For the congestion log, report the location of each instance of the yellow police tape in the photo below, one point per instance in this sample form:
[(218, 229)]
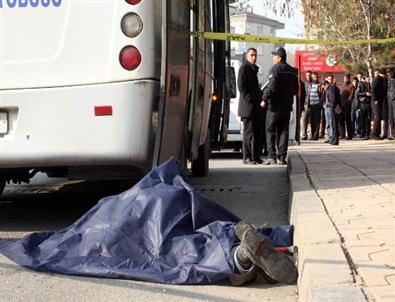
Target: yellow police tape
[(275, 40)]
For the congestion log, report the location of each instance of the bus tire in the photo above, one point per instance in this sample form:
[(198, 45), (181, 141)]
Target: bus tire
[(2, 185), (200, 166)]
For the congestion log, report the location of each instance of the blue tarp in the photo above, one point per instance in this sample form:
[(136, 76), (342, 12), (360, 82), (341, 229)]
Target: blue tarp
[(161, 230)]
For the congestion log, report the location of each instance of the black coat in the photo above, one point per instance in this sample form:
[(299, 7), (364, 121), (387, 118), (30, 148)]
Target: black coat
[(379, 91), (282, 87), (250, 93)]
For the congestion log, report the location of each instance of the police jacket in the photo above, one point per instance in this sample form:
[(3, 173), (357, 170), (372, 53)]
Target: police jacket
[(250, 93), (282, 86)]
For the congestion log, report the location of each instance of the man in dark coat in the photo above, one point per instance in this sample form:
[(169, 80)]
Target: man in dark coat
[(347, 94), (278, 97), (378, 94), (364, 98), (250, 97), (391, 101), (332, 110)]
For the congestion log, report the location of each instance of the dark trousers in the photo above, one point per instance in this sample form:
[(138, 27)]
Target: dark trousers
[(262, 124), (365, 119), (345, 123), (391, 115), (336, 128), (323, 123), (315, 118), (277, 133), (251, 138), (377, 120), (305, 121)]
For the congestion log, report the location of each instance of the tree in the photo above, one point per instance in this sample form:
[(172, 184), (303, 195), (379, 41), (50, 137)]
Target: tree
[(336, 20), (352, 19)]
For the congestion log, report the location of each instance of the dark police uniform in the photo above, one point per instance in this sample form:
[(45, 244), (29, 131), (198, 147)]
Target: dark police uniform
[(279, 93)]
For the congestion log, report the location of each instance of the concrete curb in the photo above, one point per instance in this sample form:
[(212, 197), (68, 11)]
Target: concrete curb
[(324, 273)]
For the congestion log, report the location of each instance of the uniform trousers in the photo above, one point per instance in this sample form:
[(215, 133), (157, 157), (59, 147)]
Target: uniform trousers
[(277, 133)]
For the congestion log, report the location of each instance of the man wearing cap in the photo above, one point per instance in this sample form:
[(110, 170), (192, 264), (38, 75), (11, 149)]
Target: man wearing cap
[(278, 97), (378, 94)]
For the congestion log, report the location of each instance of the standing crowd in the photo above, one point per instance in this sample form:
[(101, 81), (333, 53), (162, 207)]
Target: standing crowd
[(359, 108)]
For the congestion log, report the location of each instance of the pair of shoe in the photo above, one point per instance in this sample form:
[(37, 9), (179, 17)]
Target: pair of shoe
[(258, 160), (274, 266), (270, 161), (249, 161), (282, 162)]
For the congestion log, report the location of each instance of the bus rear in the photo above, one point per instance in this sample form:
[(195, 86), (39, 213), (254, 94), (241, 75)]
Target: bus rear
[(78, 84)]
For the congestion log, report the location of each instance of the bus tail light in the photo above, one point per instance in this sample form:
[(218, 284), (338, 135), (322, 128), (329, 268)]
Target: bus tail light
[(132, 25), (133, 2), (130, 57)]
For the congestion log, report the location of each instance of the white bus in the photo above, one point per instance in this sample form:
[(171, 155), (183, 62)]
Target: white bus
[(104, 89)]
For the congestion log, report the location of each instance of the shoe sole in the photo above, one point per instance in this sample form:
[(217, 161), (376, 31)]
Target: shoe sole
[(277, 266)]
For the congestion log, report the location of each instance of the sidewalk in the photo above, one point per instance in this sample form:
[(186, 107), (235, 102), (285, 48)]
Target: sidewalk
[(343, 207)]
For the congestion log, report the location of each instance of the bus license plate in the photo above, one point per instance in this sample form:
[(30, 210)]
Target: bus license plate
[(3, 122)]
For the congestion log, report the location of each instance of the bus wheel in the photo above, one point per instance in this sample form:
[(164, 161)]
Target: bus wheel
[(2, 185), (200, 165)]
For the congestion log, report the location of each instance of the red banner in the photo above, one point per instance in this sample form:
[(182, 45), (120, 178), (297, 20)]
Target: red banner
[(306, 60)]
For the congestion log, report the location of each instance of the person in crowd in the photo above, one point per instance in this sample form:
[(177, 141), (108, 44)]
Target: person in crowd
[(327, 111), (355, 109), (391, 101), (384, 109), (378, 94), (313, 97), (305, 107), (346, 93), (364, 98), (278, 97), (323, 119), (332, 110), (250, 97)]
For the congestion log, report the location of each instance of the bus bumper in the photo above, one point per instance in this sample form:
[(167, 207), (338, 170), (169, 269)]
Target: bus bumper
[(72, 126)]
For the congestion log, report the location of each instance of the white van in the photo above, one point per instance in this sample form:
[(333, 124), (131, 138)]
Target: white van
[(235, 130)]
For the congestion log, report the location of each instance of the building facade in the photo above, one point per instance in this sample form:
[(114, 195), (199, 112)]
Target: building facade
[(244, 21)]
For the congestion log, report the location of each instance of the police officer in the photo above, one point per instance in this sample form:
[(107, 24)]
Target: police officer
[(278, 97)]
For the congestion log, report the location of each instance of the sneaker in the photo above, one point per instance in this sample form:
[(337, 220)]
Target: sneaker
[(277, 266), (270, 161)]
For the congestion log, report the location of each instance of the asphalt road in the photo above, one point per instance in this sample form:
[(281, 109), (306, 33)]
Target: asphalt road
[(258, 194)]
